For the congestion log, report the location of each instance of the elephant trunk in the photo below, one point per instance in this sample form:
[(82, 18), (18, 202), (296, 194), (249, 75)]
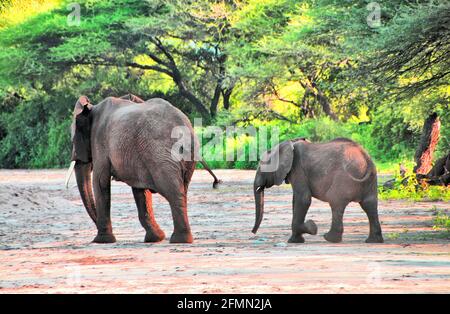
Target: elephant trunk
[(259, 206), (83, 174)]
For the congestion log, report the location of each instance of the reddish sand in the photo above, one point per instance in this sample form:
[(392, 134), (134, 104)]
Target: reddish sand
[(45, 244)]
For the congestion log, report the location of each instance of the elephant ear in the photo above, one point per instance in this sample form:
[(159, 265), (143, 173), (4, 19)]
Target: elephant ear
[(82, 130), (276, 163), (82, 102)]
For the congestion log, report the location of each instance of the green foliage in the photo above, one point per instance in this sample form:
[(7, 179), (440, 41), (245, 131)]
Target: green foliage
[(415, 47), (316, 130), (15, 11), (392, 236), (409, 188), (394, 137), (442, 221), (304, 67), (429, 193), (52, 150)]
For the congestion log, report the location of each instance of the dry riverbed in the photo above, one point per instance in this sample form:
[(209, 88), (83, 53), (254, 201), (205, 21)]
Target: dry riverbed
[(45, 243)]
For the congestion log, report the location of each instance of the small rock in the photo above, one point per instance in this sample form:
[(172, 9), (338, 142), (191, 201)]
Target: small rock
[(260, 240)]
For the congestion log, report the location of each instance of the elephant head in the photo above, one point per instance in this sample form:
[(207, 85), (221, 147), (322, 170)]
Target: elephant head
[(81, 153), (273, 169)]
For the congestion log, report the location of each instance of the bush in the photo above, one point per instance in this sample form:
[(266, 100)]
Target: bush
[(54, 148), (315, 130), (409, 188), (442, 221)]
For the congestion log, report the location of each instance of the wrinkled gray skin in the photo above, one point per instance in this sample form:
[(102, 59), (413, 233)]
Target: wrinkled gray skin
[(130, 140), (337, 172)]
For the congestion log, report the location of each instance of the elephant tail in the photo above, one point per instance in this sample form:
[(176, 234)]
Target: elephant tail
[(363, 179), (370, 170), (205, 165)]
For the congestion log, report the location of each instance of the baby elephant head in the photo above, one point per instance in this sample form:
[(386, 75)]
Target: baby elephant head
[(273, 169)]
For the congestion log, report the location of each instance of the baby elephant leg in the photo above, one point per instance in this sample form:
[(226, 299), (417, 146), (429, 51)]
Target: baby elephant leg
[(301, 203), (337, 226), (370, 206)]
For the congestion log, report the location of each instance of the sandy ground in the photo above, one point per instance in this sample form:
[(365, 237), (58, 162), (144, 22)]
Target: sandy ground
[(45, 244)]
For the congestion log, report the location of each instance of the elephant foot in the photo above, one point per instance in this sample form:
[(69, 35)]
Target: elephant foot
[(297, 238), (104, 238), (333, 237), (378, 238), (177, 237), (152, 236), (310, 227)]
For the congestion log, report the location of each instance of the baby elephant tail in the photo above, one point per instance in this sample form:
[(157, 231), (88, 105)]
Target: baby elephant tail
[(205, 165), (363, 179), (370, 170)]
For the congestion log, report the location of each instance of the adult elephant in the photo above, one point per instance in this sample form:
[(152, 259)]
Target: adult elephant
[(337, 172), (133, 141)]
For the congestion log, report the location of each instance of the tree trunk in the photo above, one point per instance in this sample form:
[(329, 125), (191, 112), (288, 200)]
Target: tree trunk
[(226, 94), (201, 108), (170, 68), (215, 101), (440, 173), (305, 107), (427, 145), (310, 85), (324, 102), (194, 100), (441, 166)]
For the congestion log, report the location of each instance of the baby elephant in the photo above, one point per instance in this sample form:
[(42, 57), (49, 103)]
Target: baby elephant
[(337, 172)]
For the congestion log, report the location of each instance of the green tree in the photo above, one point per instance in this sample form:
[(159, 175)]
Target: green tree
[(313, 68)]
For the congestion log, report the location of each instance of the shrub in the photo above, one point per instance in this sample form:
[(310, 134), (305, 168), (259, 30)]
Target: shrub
[(410, 189), (442, 221)]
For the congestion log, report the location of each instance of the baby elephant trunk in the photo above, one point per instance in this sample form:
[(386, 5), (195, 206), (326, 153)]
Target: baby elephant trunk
[(259, 206)]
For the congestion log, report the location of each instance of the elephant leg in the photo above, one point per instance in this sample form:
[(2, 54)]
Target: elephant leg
[(337, 226), (181, 229), (143, 198), (102, 192), (370, 206), (175, 192), (301, 202)]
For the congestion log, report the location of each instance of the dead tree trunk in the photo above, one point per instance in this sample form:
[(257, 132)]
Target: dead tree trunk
[(425, 172), (427, 145), (440, 173)]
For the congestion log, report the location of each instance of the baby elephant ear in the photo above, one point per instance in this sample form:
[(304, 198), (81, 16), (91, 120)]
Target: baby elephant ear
[(277, 163)]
